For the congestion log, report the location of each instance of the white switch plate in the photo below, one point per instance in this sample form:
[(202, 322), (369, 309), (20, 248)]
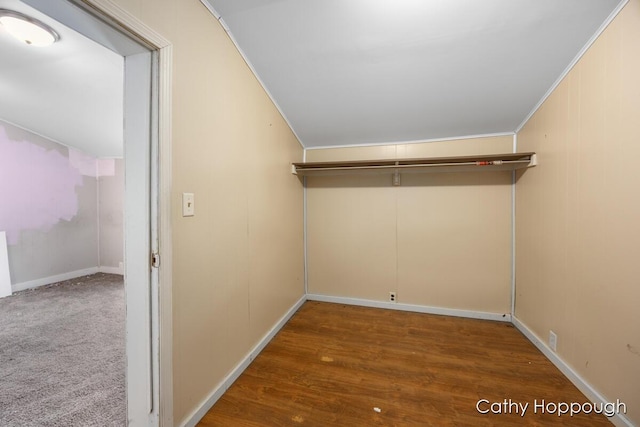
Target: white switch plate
[(188, 204)]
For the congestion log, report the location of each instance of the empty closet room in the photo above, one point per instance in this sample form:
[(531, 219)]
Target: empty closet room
[(356, 189), (540, 245)]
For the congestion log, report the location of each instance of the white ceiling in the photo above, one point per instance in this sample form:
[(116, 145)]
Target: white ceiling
[(70, 92), (347, 72), (342, 72)]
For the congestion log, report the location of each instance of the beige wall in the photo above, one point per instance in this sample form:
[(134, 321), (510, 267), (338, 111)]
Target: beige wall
[(238, 263), (111, 212), (578, 216), (439, 240)]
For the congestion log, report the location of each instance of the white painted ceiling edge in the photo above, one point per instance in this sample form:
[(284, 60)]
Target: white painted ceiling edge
[(70, 92), (371, 72)]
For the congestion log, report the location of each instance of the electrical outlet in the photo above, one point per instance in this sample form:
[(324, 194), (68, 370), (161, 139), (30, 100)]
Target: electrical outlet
[(553, 340), (392, 296)]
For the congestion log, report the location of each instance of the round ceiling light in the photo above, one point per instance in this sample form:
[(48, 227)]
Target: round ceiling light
[(27, 29)]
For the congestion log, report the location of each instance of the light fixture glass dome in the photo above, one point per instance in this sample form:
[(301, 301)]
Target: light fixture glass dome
[(27, 29)]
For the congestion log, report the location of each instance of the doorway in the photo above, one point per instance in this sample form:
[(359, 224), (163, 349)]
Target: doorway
[(146, 217)]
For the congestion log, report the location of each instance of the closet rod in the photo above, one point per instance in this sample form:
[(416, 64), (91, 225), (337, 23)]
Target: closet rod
[(419, 165)]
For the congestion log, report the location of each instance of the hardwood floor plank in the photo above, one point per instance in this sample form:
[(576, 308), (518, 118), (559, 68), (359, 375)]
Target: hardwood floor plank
[(339, 365)]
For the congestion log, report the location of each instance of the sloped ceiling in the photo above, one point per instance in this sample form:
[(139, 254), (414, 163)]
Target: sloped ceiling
[(71, 92), (349, 72)]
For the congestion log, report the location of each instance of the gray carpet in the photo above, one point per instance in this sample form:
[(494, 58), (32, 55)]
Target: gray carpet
[(62, 354)]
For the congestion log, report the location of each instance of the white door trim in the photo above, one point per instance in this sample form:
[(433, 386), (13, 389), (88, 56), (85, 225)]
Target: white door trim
[(140, 283), (131, 25)]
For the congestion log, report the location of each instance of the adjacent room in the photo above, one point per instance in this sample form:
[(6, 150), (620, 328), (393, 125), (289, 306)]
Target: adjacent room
[(62, 341), (386, 212)]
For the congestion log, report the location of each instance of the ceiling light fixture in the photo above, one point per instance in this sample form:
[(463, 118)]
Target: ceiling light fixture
[(27, 29)]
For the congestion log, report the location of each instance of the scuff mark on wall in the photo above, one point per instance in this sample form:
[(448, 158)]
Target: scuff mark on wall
[(37, 187)]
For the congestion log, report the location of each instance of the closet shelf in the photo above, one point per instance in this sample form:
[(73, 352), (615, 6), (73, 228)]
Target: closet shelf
[(490, 162)]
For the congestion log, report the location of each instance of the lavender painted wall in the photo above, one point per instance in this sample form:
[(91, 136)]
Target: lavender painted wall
[(48, 206), (37, 185)]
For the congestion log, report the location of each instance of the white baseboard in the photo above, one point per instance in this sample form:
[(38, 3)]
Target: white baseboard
[(111, 270), (619, 420), (223, 386), (502, 317), (53, 279)]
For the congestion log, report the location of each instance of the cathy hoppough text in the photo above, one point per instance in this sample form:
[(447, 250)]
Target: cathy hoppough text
[(508, 406)]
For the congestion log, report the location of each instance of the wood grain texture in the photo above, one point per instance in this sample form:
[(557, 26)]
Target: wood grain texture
[(332, 364)]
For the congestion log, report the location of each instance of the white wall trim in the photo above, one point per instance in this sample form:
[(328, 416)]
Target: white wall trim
[(420, 141), (211, 9), (582, 385), (572, 64), (513, 231), (502, 317), (193, 419), (165, 236), (304, 225), (127, 23), (304, 235), (30, 284)]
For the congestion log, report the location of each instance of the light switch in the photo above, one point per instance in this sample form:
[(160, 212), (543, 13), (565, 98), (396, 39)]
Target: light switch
[(188, 204)]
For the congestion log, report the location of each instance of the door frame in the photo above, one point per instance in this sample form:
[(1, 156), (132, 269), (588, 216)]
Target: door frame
[(161, 182), (148, 63)]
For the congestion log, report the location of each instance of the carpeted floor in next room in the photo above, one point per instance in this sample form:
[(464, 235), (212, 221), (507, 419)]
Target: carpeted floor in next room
[(62, 354)]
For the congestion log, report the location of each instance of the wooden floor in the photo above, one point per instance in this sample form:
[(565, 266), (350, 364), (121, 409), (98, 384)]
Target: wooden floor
[(338, 365)]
